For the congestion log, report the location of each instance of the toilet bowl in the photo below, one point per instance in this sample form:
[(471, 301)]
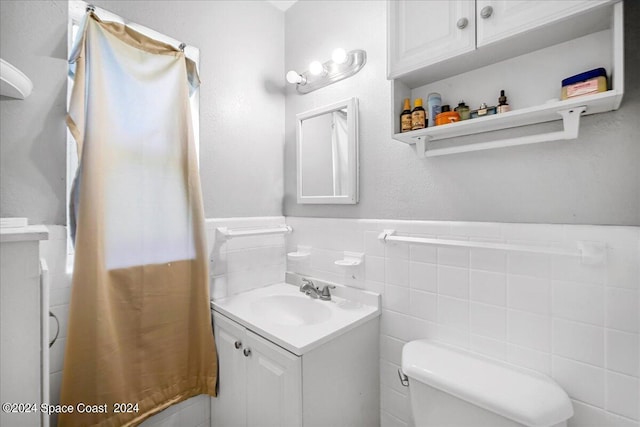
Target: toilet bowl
[(455, 388)]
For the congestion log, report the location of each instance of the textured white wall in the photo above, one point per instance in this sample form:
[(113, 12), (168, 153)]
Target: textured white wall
[(33, 37), (594, 180), (241, 102), (241, 97)]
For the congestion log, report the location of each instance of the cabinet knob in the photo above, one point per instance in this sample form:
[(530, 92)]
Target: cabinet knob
[(486, 12), (247, 352), (462, 23), (237, 344)]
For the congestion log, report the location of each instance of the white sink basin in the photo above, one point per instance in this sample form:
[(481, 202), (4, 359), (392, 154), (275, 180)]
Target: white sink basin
[(293, 320), (291, 310)]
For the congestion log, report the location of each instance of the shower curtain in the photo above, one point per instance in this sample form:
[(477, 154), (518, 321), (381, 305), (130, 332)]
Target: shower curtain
[(139, 336)]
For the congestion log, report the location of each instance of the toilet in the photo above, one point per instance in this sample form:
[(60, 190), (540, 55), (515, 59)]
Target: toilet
[(450, 387)]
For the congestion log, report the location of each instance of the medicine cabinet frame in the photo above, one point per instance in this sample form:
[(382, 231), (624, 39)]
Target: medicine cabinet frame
[(352, 193)]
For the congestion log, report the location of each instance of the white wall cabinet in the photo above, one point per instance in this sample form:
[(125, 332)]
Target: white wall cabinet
[(425, 32), (523, 47), (260, 384), (501, 19)]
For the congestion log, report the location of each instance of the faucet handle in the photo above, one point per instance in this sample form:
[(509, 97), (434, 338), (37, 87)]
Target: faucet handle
[(325, 293)]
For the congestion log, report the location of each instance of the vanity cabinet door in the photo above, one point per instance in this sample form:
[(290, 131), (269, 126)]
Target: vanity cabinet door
[(421, 33), (229, 409), (500, 19), (274, 384)]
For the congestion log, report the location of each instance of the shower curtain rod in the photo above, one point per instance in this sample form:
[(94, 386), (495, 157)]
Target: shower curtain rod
[(92, 8)]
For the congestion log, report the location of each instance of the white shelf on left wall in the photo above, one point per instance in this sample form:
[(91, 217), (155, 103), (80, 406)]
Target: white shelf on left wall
[(13, 82)]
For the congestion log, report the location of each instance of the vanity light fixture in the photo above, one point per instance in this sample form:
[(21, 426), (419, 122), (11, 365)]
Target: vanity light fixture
[(339, 56), (341, 65), (294, 78), (317, 68)]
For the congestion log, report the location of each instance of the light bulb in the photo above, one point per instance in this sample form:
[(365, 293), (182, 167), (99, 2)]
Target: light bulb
[(316, 68), (339, 56), (293, 77)]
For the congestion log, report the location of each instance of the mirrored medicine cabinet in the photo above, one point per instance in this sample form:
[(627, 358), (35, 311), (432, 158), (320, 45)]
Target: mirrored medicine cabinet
[(327, 154)]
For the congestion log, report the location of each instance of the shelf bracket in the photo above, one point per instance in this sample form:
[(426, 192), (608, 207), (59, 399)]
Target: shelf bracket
[(570, 121)]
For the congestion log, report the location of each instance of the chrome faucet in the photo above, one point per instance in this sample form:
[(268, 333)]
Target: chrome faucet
[(308, 288)]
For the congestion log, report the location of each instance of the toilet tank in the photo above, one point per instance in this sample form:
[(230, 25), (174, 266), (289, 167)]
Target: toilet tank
[(451, 387)]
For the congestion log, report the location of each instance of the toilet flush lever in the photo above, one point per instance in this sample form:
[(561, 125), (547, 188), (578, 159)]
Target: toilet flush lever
[(404, 380)]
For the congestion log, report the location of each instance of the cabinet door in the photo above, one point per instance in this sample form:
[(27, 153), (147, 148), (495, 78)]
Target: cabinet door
[(499, 19), (20, 313), (229, 409), (421, 33), (274, 385)]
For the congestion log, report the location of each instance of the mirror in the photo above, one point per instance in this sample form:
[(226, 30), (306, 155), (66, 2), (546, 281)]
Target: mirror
[(327, 150)]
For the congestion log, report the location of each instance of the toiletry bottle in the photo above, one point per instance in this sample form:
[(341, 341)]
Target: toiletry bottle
[(482, 111), (418, 116), (434, 101), (405, 116), (503, 107), (463, 110)]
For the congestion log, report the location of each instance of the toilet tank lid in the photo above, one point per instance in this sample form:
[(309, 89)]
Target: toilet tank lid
[(526, 397)]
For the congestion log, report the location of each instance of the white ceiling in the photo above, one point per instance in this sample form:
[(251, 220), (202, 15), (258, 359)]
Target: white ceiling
[(283, 5)]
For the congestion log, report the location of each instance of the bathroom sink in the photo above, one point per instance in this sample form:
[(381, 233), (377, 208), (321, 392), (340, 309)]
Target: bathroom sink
[(294, 321), (291, 310)]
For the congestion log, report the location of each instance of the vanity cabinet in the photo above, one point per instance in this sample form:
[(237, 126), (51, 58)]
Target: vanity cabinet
[(259, 382), (471, 49)]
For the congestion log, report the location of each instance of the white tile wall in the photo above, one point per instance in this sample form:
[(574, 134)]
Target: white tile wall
[(575, 322), (244, 263)]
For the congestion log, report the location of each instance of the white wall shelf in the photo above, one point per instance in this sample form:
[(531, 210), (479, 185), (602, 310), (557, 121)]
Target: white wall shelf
[(608, 50), (13, 82), (569, 110), (23, 234)]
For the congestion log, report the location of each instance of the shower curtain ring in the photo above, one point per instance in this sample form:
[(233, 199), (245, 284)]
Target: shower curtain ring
[(182, 46), (90, 8)]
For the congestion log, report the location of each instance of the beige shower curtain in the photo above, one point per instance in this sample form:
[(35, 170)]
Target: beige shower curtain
[(139, 336)]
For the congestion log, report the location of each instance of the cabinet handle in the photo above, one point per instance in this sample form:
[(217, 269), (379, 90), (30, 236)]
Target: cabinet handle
[(57, 329), (247, 352), (237, 344), (462, 23), (486, 12)]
